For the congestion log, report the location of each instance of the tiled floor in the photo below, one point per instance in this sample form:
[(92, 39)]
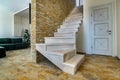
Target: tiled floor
[(18, 66)]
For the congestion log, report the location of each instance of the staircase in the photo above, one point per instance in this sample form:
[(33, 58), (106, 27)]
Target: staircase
[(61, 49)]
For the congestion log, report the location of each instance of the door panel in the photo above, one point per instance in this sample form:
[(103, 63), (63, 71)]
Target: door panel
[(101, 14), (101, 44), (102, 30)]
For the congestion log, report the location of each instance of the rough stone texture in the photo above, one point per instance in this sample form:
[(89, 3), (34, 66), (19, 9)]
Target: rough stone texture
[(50, 14), (47, 15), (33, 29)]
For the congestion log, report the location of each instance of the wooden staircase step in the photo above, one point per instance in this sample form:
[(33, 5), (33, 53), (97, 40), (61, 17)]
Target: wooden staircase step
[(66, 54), (67, 30), (62, 52), (65, 34), (76, 60), (55, 46), (59, 40), (73, 64)]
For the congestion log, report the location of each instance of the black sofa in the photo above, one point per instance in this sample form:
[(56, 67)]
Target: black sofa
[(13, 43)]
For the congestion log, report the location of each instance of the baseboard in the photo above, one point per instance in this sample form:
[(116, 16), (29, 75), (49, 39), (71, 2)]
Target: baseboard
[(118, 58), (81, 52)]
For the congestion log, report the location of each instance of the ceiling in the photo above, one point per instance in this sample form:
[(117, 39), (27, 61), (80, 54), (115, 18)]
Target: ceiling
[(14, 5)]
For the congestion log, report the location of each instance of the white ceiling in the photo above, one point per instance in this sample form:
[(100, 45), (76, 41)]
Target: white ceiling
[(14, 5)]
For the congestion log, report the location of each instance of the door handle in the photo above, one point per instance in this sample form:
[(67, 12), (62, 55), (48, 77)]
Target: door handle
[(109, 31)]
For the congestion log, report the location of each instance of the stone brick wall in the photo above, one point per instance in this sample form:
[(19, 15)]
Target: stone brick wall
[(47, 15)]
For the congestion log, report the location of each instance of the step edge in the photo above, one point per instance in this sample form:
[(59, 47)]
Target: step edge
[(58, 53), (60, 37), (80, 59)]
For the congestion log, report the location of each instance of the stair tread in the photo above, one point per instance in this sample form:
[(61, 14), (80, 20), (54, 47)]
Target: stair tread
[(68, 28), (61, 52), (54, 43), (61, 37), (70, 24), (74, 60), (65, 32), (59, 43)]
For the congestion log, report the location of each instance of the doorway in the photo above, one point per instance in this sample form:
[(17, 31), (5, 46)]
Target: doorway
[(102, 30)]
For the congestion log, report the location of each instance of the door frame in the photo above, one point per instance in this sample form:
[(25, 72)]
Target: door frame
[(114, 28)]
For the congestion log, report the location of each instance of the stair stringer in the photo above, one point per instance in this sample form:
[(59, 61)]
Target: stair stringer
[(56, 59)]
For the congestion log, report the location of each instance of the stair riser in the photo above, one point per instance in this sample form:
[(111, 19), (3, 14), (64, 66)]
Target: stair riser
[(72, 22), (78, 65), (69, 55), (59, 40), (73, 18), (64, 35), (78, 61), (77, 15), (67, 30), (69, 69), (59, 47), (70, 26), (76, 12)]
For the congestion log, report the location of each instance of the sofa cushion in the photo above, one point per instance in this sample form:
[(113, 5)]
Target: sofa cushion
[(8, 46), (16, 40), (5, 40), (20, 45)]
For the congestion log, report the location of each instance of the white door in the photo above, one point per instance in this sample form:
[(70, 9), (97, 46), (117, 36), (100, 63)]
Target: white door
[(102, 30)]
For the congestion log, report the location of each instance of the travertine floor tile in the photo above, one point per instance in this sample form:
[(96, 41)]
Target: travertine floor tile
[(18, 66)]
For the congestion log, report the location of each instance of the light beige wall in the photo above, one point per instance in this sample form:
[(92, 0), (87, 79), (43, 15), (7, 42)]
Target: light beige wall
[(88, 4), (20, 24), (118, 27), (80, 40), (6, 23)]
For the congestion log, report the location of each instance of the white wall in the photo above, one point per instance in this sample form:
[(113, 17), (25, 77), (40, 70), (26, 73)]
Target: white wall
[(79, 2), (6, 23), (20, 24), (88, 4), (80, 40), (118, 27)]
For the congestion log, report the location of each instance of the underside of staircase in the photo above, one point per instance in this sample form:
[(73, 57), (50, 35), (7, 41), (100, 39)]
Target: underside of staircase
[(61, 49)]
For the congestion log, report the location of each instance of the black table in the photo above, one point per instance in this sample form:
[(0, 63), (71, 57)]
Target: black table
[(2, 52)]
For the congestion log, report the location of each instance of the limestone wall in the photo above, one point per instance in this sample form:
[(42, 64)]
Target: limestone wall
[(47, 15)]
